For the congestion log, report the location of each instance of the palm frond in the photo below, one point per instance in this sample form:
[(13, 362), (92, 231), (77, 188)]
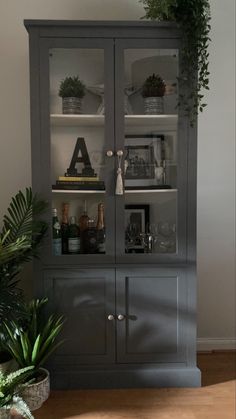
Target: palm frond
[(20, 239), (12, 250), (22, 212), (11, 301)]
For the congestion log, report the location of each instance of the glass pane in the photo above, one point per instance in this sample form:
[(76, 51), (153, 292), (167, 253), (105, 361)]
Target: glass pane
[(77, 150), (150, 158)]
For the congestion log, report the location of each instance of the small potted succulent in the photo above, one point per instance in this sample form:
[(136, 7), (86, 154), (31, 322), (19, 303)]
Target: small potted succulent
[(153, 91), (32, 343), (72, 90), (10, 400)]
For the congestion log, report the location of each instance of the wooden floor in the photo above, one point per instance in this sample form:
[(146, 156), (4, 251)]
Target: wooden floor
[(214, 400)]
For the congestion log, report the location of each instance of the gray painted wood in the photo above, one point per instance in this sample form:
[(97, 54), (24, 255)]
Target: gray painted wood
[(154, 303), (156, 345), (129, 378), (35, 108), (109, 29), (100, 23), (86, 298)]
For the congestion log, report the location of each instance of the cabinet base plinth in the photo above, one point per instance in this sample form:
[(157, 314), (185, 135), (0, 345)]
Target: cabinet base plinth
[(139, 378)]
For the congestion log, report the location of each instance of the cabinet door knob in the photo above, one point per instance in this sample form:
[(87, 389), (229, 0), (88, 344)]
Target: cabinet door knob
[(110, 317), (119, 153), (109, 153), (120, 317)]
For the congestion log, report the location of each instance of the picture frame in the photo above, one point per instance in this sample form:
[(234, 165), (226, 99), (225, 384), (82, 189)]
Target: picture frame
[(144, 155), (136, 220)]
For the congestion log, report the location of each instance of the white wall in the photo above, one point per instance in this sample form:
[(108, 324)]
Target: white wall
[(216, 186), (216, 177)]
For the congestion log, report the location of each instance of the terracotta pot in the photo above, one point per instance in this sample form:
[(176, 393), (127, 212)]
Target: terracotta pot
[(37, 393), (71, 105)]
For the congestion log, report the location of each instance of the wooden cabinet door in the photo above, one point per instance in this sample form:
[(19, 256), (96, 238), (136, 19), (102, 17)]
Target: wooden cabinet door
[(85, 298), (154, 306)]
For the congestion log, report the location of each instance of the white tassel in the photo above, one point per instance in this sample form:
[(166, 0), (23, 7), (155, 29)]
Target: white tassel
[(119, 183)]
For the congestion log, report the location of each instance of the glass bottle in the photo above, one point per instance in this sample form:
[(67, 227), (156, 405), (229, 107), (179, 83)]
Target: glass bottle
[(56, 234), (101, 229), (65, 228), (73, 237), (83, 225), (84, 218), (90, 238)]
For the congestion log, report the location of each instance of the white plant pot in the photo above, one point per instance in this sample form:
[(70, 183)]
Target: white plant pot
[(154, 105), (37, 393), (71, 105)]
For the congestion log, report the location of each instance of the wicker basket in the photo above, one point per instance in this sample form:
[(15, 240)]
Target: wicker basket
[(37, 393)]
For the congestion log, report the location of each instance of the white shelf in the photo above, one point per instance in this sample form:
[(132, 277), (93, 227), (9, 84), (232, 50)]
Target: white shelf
[(140, 191), (73, 191), (77, 120), (95, 120)]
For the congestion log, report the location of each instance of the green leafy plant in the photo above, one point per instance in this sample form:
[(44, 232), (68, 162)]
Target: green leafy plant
[(72, 87), (10, 386), (193, 18), (154, 86), (35, 341), (20, 240)]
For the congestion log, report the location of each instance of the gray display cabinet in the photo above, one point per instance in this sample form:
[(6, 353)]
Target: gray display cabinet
[(131, 311)]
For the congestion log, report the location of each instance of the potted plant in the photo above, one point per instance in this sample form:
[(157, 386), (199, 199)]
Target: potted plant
[(10, 385), (32, 343), (153, 91), (72, 90), (20, 239), (193, 18)]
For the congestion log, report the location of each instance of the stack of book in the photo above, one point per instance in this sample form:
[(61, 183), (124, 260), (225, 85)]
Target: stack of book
[(79, 183)]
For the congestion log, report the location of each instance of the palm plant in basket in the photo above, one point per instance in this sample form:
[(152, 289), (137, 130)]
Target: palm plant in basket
[(32, 343), (10, 386), (20, 240)]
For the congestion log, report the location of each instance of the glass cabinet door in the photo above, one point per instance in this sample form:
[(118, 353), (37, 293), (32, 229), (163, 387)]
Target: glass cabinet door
[(150, 136), (77, 139)]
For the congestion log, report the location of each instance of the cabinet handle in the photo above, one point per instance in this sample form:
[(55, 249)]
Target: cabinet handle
[(109, 153), (120, 317), (119, 153), (110, 317)]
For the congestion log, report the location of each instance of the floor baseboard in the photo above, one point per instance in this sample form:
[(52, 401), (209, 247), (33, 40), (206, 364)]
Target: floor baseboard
[(211, 344)]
